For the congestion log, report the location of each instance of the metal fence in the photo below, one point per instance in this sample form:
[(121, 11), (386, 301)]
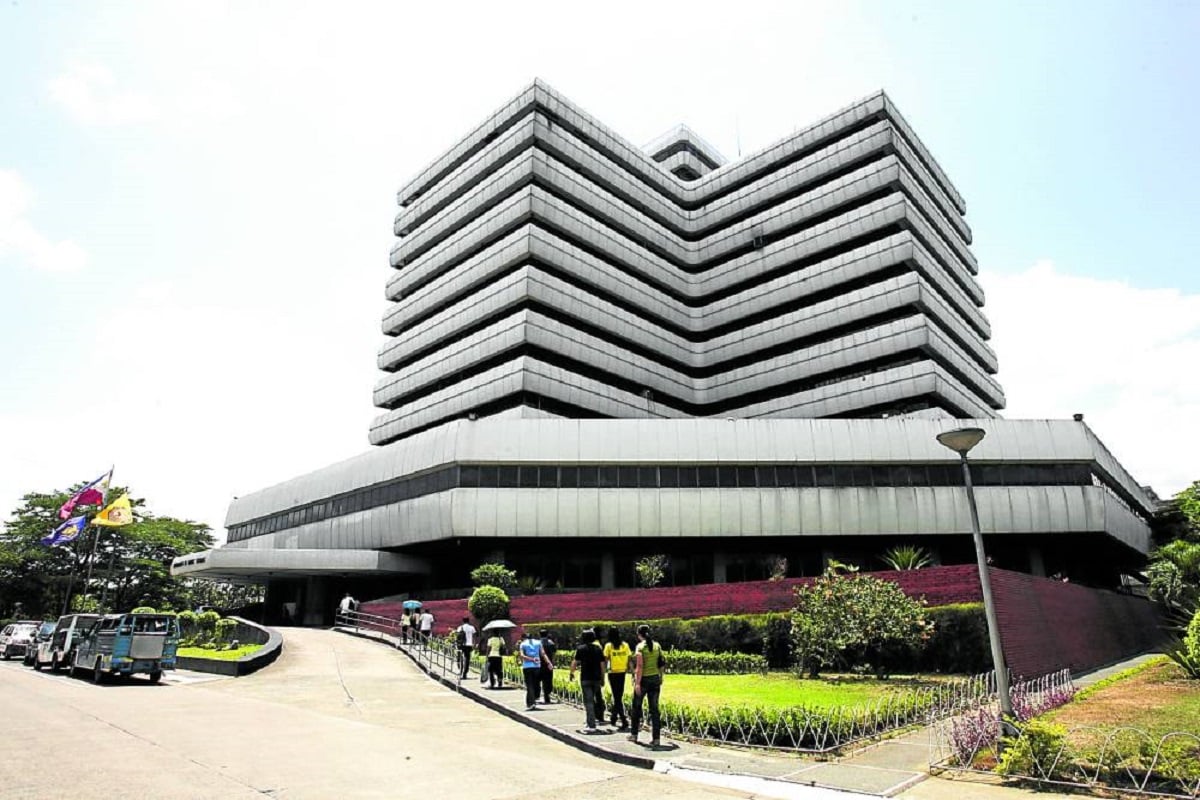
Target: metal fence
[(1120, 759), (437, 655)]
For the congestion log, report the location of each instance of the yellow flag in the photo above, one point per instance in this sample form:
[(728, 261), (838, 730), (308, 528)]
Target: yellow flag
[(116, 513)]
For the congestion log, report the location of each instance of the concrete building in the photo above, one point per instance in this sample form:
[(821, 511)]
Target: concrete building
[(596, 352)]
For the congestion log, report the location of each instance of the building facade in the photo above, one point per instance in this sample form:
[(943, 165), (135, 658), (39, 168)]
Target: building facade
[(596, 352)]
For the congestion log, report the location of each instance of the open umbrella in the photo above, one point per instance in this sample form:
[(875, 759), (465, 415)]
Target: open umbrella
[(411, 604), (499, 625)]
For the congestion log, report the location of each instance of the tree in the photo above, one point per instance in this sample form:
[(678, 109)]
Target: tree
[(496, 575), (841, 618), (129, 565), (651, 570), (488, 603)]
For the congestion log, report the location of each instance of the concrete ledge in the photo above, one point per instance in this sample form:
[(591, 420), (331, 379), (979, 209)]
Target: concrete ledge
[(243, 666)]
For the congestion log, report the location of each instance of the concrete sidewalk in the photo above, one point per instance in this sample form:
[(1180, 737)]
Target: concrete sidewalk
[(895, 766)]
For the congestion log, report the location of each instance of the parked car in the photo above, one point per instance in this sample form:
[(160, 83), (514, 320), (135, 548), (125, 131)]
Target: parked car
[(128, 644), (15, 637), (41, 637), (59, 650)]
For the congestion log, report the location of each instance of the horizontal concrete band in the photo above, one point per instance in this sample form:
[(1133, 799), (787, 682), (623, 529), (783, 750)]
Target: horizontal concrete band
[(694, 441), (574, 350), (559, 514), (233, 563)]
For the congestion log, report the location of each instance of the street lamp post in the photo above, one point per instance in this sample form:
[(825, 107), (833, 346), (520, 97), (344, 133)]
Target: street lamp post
[(961, 440)]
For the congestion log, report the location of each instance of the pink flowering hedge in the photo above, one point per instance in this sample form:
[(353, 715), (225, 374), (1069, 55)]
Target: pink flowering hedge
[(938, 585)]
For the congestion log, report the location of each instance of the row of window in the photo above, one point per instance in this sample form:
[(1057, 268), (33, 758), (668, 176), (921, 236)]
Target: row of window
[(663, 476)]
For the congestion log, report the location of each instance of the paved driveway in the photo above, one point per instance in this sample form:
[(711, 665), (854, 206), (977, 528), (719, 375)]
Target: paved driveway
[(334, 717)]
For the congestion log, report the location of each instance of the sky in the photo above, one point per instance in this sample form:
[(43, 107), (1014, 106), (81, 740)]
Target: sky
[(196, 201)]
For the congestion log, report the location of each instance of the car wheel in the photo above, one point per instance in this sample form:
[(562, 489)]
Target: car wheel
[(37, 664), (7, 655), (98, 673), (55, 664), (156, 676)]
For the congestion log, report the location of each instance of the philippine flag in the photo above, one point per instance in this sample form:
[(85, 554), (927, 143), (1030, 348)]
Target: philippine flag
[(90, 495), (66, 532)]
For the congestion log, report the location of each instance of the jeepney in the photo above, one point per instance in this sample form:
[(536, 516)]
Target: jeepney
[(128, 644)]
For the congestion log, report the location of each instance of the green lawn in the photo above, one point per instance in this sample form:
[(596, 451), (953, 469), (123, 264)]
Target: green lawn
[(1158, 699), (219, 655), (779, 690)]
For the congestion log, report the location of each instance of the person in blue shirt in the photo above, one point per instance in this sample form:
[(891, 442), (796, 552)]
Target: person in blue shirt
[(533, 658)]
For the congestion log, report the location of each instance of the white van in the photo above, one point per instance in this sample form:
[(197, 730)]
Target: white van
[(57, 651)]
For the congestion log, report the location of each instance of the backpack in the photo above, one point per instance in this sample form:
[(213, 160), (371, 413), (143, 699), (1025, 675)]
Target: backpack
[(460, 636)]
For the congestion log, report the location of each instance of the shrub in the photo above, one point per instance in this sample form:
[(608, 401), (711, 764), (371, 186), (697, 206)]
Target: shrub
[(1040, 751), (496, 575), (528, 584), (906, 556), (224, 630), (650, 570), (840, 619), (488, 603), (143, 610)]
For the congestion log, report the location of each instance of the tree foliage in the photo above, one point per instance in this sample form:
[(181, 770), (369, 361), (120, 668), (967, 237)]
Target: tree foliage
[(130, 565), (488, 603), (496, 575), (651, 570), (841, 619)]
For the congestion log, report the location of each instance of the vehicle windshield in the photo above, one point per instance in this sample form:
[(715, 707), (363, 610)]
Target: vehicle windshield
[(46, 629), (24, 630), (151, 624)]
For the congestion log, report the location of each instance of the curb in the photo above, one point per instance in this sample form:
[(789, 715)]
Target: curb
[(579, 744)]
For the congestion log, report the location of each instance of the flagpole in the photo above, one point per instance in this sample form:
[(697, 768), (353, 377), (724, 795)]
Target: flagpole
[(87, 584)]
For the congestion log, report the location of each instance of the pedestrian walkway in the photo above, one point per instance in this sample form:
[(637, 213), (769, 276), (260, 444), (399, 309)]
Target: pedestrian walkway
[(886, 768)]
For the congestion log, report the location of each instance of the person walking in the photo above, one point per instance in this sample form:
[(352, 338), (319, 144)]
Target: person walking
[(464, 635), (547, 676), (495, 660), (533, 658), (589, 660), (425, 623), (649, 663), (616, 656), (347, 604), (406, 618)]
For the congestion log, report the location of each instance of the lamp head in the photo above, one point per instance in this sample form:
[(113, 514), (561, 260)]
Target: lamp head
[(961, 440)]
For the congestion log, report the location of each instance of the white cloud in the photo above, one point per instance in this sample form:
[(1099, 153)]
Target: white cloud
[(88, 92), (19, 239), (1125, 357)]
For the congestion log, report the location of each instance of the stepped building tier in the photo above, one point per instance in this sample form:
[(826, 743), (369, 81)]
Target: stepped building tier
[(596, 352)]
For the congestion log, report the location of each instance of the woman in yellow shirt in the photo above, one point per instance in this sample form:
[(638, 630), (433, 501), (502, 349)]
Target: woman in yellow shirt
[(616, 655)]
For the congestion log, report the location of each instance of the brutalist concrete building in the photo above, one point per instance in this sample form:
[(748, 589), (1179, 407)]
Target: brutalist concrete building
[(597, 352)]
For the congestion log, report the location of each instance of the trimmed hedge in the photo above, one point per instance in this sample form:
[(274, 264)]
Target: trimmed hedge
[(958, 644), (690, 662)]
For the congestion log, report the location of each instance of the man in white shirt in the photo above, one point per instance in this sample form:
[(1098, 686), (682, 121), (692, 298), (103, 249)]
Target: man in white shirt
[(426, 626), (348, 604), (465, 636)]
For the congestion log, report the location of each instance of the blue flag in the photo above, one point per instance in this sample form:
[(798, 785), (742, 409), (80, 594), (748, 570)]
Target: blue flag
[(66, 532)]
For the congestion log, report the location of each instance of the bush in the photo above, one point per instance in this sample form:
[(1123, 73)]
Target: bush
[(143, 610), (958, 643), (840, 620), (1040, 751), (224, 630), (496, 575), (488, 603), (650, 570)]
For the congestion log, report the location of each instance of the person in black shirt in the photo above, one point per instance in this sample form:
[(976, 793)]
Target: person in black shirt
[(589, 660), (547, 676)]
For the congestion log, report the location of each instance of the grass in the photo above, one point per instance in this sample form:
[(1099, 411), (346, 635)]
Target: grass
[(219, 655), (1157, 698), (779, 690)]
